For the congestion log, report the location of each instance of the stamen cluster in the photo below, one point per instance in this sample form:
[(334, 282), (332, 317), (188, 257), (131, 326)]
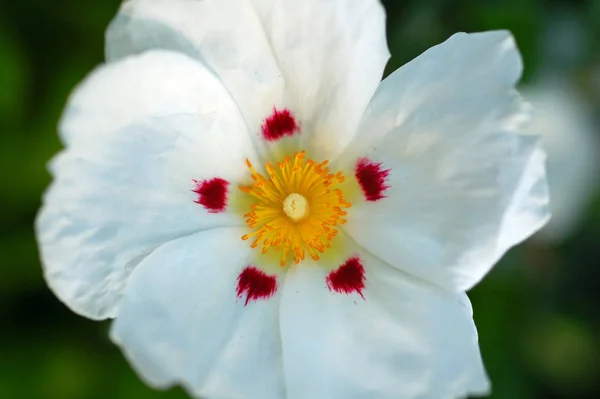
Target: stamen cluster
[(273, 229)]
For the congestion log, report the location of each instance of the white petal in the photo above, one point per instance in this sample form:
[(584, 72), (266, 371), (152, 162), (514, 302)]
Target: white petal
[(123, 186), (321, 59), (405, 340), (154, 84), (226, 35), (465, 187), (332, 54), (181, 321)]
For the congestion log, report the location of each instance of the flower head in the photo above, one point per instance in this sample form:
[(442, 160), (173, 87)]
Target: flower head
[(264, 218), (568, 137)]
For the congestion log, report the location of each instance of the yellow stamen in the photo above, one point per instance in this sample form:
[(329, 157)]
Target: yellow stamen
[(296, 209)]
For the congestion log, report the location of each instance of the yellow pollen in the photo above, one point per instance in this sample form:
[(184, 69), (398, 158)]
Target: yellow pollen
[(295, 206), (295, 209)]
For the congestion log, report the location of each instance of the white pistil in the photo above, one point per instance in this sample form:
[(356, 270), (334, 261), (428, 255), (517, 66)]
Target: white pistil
[(295, 207)]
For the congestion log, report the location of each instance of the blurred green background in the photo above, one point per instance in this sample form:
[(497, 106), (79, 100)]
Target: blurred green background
[(537, 313)]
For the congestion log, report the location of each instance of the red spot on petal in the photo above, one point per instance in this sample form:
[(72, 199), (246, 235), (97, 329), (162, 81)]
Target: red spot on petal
[(212, 194), (279, 124), (255, 284), (348, 278), (372, 178)]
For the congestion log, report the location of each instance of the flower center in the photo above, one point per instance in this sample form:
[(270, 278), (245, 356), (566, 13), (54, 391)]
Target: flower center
[(296, 209), (295, 206)]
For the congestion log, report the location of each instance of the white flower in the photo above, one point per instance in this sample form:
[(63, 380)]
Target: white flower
[(568, 137), (207, 135)]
